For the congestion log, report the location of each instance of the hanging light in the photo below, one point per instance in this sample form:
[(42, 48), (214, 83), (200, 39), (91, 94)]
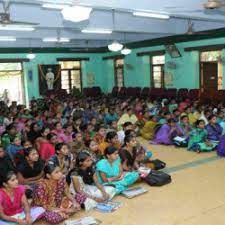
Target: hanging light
[(115, 46), (31, 56), (76, 13), (126, 51)]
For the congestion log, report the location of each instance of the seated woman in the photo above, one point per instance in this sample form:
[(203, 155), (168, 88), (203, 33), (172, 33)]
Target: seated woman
[(100, 135), (6, 164), (147, 132), (78, 144), (14, 207), (131, 156), (31, 169), (67, 135), (167, 133), (52, 193), (198, 139), (85, 185), (47, 147), (62, 158), (110, 171), (110, 140), (185, 129), (14, 148), (58, 130), (34, 133), (214, 129), (93, 150)]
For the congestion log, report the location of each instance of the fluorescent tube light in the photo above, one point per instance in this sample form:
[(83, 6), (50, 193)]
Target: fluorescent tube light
[(16, 28), (54, 6), (96, 31), (151, 15), (53, 39), (5, 38)]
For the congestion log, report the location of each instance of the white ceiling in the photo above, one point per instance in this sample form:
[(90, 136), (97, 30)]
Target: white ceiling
[(127, 28)]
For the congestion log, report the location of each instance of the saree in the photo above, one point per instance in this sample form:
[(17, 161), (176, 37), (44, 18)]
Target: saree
[(214, 132), (113, 170), (147, 132), (51, 195)]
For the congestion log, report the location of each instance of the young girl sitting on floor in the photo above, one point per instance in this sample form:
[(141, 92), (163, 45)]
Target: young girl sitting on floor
[(14, 207), (85, 185), (198, 139), (52, 193), (110, 171), (214, 129)]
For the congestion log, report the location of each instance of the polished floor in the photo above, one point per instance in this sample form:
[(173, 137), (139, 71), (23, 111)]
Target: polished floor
[(196, 195)]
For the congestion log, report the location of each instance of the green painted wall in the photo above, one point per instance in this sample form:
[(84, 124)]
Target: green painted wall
[(186, 75), (32, 87)]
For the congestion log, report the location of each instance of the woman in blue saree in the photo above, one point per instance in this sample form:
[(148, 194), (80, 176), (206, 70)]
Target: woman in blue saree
[(110, 172), (214, 129)]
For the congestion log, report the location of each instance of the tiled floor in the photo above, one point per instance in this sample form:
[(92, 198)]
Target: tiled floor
[(195, 197)]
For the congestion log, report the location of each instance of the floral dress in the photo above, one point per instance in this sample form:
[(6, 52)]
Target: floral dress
[(52, 195)]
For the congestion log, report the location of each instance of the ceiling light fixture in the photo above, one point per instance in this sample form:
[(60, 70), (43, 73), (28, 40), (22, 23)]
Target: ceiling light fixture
[(5, 38), (16, 28), (96, 31), (115, 46), (76, 13), (151, 15), (54, 6), (53, 39), (31, 56), (126, 51)]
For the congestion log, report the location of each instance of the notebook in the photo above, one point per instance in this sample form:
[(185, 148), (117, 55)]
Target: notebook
[(83, 221), (133, 192), (108, 207)]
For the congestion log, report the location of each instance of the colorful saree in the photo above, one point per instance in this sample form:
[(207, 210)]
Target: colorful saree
[(52, 195)]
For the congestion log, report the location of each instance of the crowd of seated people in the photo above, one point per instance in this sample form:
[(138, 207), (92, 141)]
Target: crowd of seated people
[(59, 157)]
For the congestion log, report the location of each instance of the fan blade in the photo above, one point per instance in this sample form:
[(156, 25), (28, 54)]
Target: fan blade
[(186, 11), (21, 23)]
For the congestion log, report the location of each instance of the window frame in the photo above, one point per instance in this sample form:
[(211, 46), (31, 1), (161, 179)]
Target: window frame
[(152, 83), (69, 75)]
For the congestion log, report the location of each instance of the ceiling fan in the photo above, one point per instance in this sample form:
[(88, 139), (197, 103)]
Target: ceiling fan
[(214, 4), (209, 6), (191, 30), (6, 20)]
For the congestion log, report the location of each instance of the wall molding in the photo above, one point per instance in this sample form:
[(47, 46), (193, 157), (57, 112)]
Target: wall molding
[(151, 53), (72, 59), (205, 48)]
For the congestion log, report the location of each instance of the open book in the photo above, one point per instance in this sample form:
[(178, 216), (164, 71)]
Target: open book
[(133, 192), (108, 207), (83, 221)]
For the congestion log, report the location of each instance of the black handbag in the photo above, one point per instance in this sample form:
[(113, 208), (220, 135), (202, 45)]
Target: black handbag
[(157, 178), (158, 164)]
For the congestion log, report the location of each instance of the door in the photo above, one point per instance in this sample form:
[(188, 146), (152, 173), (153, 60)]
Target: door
[(209, 76)]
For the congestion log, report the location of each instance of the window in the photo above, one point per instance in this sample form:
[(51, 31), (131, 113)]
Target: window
[(71, 75), (119, 72), (11, 82), (157, 71)]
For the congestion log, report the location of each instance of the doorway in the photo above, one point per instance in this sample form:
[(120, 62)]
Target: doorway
[(209, 76), (11, 83)]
